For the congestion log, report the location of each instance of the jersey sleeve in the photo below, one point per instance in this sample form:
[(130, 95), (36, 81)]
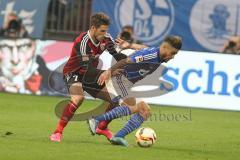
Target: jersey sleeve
[(110, 46), (146, 55)]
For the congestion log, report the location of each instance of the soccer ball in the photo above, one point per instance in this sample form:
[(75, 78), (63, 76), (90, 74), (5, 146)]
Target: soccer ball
[(145, 137)]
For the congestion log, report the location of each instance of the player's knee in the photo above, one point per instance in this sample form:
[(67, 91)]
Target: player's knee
[(146, 114), (77, 99), (131, 104), (133, 109), (142, 105), (144, 110), (131, 101)]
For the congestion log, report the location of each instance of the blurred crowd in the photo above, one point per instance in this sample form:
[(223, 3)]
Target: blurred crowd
[(128, 35)]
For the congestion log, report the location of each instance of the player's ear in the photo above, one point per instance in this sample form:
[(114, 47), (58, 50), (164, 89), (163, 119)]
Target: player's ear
[(93, 28)]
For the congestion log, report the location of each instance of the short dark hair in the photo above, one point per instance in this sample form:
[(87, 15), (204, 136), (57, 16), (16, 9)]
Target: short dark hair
[(128, 27), (174, 41), (99, 19)]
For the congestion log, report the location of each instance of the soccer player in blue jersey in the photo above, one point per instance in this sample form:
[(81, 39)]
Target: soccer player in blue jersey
[(134, 68)]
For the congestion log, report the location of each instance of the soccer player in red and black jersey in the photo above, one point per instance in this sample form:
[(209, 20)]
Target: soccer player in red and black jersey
[(87, 48)]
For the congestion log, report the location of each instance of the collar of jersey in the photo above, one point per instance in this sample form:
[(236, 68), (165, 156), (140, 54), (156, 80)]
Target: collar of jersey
[(92, 39)]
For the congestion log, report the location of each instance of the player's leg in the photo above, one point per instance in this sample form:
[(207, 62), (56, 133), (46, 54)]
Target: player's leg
[(102, 128), (104, 124), (143, 112), (100, 92), (117, 87), (77, 97), (91, 86), (117, 112)]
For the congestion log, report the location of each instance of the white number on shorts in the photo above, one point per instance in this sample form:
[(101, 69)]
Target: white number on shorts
[(76, 77)]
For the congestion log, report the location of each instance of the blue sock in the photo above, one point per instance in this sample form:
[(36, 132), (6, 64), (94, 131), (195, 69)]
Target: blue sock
[(133, 123), (116, 112)]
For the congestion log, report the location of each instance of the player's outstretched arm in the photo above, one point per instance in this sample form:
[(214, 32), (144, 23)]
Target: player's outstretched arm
[(112, 50), (126, 45)]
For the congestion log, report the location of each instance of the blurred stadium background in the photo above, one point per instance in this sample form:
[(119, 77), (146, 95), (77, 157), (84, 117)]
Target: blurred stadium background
[(199, 116)]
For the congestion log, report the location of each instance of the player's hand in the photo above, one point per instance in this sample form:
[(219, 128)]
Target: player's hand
[(110, 46), (122, 44), (104, 76)]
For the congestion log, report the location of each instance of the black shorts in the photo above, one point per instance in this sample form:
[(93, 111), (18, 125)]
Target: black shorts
[(88, 80)]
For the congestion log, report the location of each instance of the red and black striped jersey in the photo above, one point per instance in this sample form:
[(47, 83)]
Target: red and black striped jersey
[(84, 48)]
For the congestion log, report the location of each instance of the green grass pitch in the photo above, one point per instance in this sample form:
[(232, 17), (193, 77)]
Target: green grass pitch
[(182, 133)]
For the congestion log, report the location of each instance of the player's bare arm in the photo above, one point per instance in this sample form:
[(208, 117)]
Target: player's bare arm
[(126, 45)]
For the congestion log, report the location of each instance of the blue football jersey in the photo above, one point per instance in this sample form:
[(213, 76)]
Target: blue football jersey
[(145, 61), (146, 55)]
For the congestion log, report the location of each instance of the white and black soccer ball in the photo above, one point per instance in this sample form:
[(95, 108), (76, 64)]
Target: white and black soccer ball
[(145, 137)]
